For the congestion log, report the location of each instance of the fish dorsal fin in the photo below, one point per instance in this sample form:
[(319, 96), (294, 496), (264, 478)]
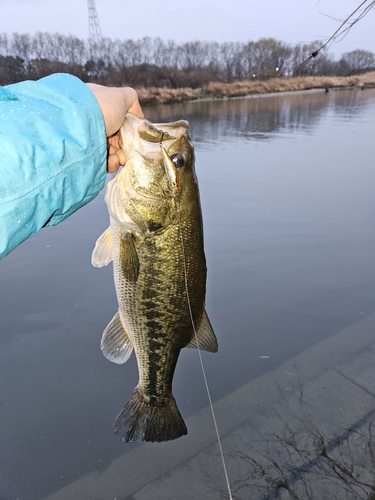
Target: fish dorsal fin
[(116, 344), (206, 338), (102, 253), (129, 258)]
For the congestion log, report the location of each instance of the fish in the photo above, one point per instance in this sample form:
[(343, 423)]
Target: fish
[(155, 240)]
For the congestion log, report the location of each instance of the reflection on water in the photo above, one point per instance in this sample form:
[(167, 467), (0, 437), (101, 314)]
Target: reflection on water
[(261, 117), (287, 186)]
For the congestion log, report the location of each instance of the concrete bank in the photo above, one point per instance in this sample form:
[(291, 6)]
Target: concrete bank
[(301, 431)]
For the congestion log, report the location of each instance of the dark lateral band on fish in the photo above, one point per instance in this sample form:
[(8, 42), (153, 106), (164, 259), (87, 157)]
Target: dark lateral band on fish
[(155, 241)]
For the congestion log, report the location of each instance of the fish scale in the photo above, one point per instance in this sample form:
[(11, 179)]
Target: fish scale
[(149, 306)]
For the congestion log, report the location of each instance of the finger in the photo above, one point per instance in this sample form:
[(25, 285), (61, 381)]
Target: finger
[(115, 140), (131, 101), (113, 163), (112, 150), (114, 104), (136, 109), (120, 154)]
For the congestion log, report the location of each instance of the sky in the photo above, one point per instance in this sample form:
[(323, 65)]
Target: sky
[(291, 21)]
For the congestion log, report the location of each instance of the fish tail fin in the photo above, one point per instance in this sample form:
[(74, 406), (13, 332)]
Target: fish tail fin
[(142, 421)]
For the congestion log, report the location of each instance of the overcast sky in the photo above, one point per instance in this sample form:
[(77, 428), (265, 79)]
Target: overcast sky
[(291, 21)]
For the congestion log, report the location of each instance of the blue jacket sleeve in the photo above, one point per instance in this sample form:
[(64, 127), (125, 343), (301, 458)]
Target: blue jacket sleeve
[(53, 154)]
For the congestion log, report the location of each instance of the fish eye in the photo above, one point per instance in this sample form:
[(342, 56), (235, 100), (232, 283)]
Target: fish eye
[(178, 160)]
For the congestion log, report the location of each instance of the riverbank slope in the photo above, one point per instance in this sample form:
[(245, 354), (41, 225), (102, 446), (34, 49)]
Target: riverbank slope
[(214, 90)]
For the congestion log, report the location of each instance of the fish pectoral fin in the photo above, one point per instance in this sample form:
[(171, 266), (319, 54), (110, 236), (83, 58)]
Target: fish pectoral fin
[(205, 338), (116, 344), (102, 253), (129, 258)]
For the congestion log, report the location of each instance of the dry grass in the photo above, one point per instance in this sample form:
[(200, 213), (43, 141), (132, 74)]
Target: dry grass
[(236, 89), (153, 95)]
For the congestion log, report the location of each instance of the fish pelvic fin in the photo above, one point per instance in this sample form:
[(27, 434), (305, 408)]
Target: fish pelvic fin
[(205, 338), (142, 421), (116, 344), (102, 253)]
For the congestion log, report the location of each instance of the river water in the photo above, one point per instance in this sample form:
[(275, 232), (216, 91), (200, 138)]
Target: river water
[(287, 186)]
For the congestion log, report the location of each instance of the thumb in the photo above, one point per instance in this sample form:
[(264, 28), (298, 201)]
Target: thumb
[(134, 106)]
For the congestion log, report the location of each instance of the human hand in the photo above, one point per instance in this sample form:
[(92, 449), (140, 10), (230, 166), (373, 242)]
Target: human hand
[(115, 102)]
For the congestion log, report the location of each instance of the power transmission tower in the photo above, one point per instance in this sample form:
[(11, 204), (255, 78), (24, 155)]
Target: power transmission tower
[(95, 33)]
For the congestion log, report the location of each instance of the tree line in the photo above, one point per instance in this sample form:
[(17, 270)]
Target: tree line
[(153, 62)]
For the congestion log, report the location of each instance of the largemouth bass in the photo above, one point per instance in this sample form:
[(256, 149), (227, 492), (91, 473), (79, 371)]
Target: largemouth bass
[(155, 240)]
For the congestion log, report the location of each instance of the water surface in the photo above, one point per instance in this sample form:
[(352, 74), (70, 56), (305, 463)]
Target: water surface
[(287, 187)]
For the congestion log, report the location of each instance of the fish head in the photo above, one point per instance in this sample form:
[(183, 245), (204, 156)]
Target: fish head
[(181, 154), (143, 194)]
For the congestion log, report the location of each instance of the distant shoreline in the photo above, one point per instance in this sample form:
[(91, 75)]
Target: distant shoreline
[(217, 90)]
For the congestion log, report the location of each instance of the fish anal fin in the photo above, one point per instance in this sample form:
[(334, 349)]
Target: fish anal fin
[(141, 421), (205, 338), (129, 258), (116, 344), (102, 253)]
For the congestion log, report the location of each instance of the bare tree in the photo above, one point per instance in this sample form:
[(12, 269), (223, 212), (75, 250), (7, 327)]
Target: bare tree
[(4, 44), (12, 70), (74, 51), (21, 47), (154, 62), (230, 60), (302, 64), (270, 57), (358, 61)]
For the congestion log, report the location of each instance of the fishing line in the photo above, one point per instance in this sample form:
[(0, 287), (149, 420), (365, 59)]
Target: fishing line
[(200, 354)]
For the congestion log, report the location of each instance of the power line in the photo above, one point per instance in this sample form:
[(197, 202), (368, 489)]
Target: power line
[(344, 28)]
